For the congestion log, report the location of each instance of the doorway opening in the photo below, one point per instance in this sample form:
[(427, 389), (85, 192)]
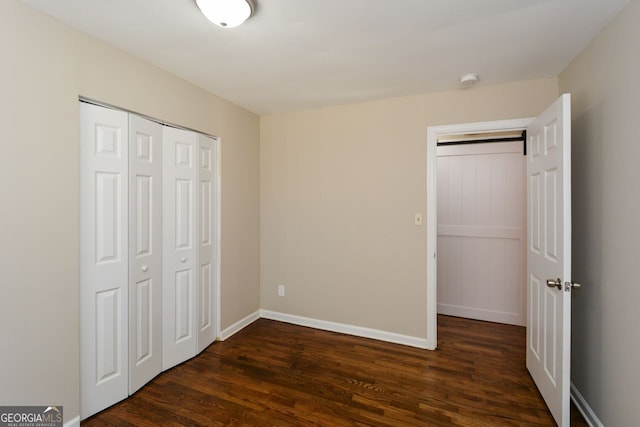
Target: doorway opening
[(450, 134), (482, 227)]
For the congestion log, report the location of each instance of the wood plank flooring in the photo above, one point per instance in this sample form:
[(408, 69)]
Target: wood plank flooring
[(273, 373)]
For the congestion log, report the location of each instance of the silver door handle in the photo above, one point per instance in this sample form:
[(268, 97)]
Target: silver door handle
[(575, 286), (554, 283), (145, 268), (183, 259)]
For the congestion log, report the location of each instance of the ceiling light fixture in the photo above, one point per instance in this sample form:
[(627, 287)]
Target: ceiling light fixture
[(226, 13), (469, 79)]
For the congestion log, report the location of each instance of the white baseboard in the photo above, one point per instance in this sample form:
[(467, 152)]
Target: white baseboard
[(324, 325), (239, 325), (345, 329), (482, 314), (584, 408), (73, 422)]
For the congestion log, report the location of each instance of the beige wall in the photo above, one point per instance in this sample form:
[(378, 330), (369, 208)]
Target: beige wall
[(606, 244), (339, 189), (45, 67)]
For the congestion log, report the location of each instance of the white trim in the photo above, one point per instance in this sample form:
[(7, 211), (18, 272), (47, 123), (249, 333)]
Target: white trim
[(482, 314), (433, 133), (584, 408), (345, 329), (218, 278), (239, 325), (153, 119), (432, 233), (73, 422)]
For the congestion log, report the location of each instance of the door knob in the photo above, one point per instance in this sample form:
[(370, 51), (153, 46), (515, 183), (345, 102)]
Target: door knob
[(183, 259), (554, 283), (575, 286), (145, 268)]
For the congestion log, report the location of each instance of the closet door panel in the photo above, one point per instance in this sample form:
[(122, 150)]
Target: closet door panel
[(145, 239), (180, 251), (103, 257), (207, 240)]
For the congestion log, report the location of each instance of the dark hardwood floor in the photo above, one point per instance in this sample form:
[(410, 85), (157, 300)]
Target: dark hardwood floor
[(273, 373)]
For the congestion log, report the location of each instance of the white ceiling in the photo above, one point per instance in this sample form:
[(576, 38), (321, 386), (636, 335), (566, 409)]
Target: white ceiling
[(300, 54)]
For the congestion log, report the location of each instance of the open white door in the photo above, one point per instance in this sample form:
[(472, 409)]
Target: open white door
[(549, 255)]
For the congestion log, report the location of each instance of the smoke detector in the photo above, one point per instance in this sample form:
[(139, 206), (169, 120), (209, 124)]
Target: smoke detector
[(468, 80)]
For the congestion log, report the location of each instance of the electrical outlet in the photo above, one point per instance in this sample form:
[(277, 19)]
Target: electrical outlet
[(280, 290), (418, 219)]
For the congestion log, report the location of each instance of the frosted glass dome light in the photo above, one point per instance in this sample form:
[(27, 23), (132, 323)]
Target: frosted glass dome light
[(226, 13)]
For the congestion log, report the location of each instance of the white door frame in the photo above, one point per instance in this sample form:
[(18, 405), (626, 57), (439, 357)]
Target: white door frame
[(433, 133)]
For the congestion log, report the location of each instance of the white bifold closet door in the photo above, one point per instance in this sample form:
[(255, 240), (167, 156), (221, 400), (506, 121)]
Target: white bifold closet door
[(104, 257), (207, 240), (149, 236), (190, 270), (180, 175), (145, 260), (120, 255)]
